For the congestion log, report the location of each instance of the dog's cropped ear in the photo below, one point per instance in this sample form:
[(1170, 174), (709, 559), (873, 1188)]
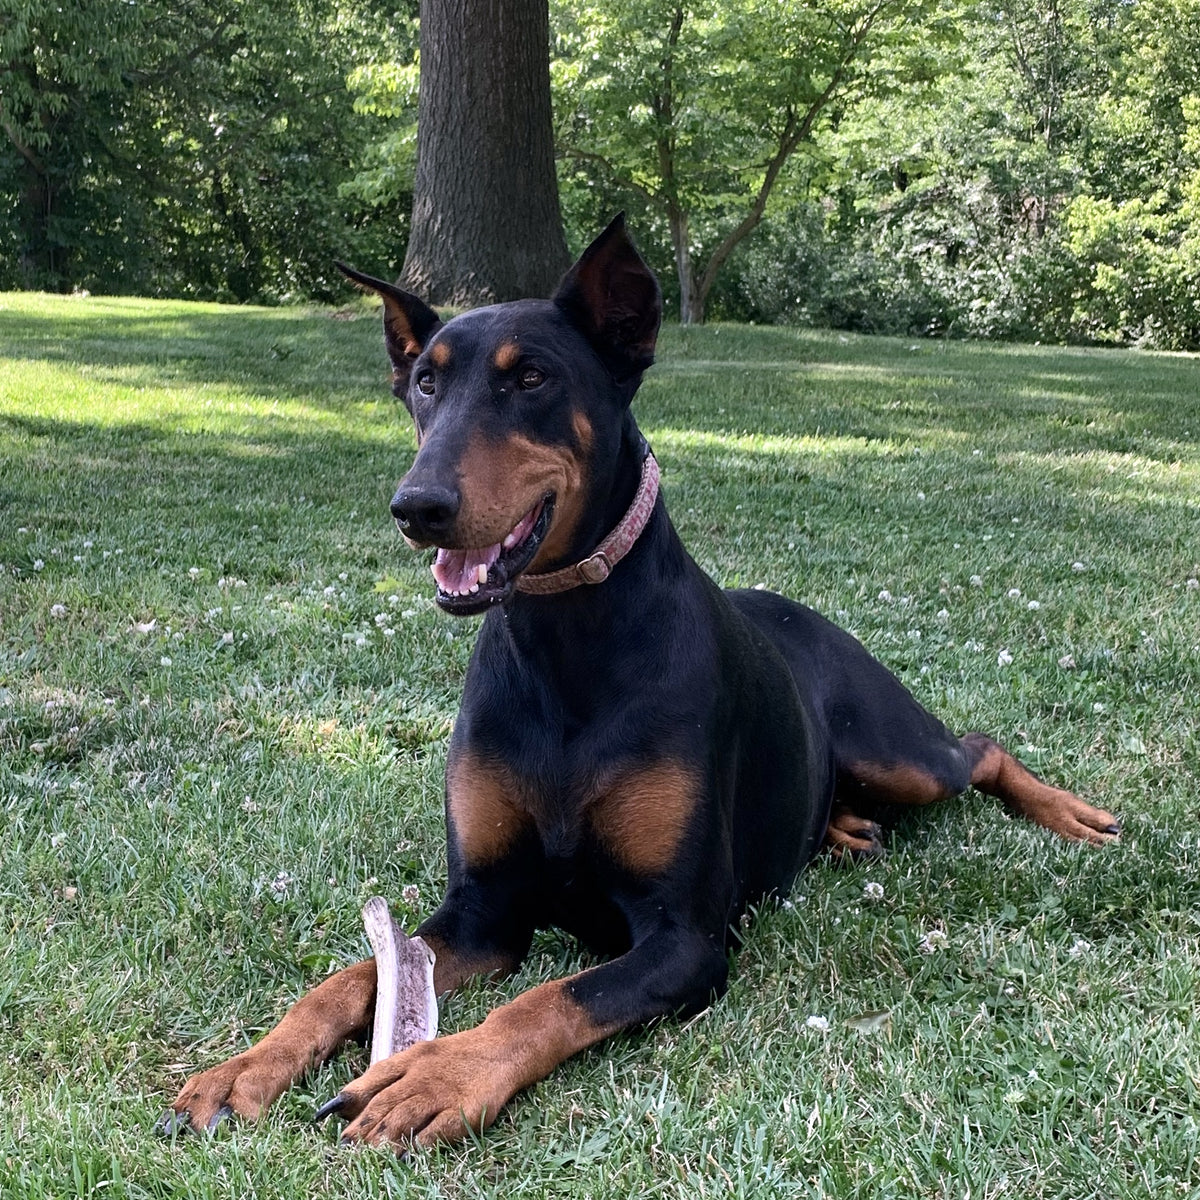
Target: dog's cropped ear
[(408, 324), (613, 298)]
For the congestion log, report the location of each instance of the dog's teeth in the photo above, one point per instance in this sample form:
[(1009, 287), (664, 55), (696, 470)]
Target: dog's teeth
[(482, 575), (471, 590), (511, 540)]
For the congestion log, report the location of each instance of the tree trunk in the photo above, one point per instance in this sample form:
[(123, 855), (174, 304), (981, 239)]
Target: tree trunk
[(486, 224), (691, 302)]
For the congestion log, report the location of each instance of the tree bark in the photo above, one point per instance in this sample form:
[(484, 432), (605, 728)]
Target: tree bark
[(486, 224)]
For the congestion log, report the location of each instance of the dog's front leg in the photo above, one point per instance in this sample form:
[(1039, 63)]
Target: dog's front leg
[(313, 1028), (309, 1033), (436, 1091)]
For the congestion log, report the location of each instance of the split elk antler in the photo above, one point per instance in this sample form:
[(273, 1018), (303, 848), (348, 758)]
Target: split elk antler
[(405, 1002)]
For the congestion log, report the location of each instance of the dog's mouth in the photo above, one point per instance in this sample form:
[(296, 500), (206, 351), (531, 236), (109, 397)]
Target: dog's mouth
[(469, 581)]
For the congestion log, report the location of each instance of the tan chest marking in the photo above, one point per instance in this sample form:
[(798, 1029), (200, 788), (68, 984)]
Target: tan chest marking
[(641, 817), (482, 801)]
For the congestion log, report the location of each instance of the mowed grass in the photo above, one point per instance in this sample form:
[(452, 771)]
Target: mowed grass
[(224, 701)]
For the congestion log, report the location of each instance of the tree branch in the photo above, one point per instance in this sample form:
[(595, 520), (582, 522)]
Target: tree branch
[(793, 134), (600, 160)]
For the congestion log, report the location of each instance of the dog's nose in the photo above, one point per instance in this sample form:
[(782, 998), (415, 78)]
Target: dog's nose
[(425, 512)]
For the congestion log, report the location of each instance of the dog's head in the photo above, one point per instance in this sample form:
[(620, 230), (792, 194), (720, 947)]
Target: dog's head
[(518, 410)]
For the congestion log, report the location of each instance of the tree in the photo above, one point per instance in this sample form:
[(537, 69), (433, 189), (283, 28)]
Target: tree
[(699, 106), (486, 224)]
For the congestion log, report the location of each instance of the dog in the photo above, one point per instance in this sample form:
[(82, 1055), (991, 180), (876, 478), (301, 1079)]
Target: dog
[(638, 757)]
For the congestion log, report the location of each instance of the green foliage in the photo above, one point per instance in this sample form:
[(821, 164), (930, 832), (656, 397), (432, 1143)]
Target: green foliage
[(697, 109), (994, 168), (195, 150), (1037, 180)]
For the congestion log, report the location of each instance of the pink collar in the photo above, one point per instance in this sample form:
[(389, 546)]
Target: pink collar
[(598, 565)]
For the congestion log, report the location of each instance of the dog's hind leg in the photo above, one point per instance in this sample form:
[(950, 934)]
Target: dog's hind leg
[(849, 836), (949, 766), (996, 772)]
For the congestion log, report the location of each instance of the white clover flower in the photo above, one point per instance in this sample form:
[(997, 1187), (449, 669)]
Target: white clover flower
[(409, 612), (58, 610), (935, 939), (1079, 948), (873, 891), (1033, 605), (77, 558), (920, 495), (976, 581), (1004, 659), (165, 661), (146, 626), (330, 590), (389, 632), (1067, 662), (393, 599), (381, 619), (885, 596), (1014, 593), (38, 564), (343, 576), (1192, 584), (411, 895), (943, 614), (1097, 707), (194, 572), (227, 638), (1078, 566), (281, 882), (361, 640), (820, 1024)]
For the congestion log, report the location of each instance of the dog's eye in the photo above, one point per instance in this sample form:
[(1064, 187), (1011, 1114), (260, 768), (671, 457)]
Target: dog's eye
[(425, 384), (531, 378)]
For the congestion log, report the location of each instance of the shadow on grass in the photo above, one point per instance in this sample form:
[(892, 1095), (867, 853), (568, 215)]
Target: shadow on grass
[(714, 379)]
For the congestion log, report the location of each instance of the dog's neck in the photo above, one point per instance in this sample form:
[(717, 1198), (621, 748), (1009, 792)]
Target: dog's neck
[(588, 630), (599, 562)]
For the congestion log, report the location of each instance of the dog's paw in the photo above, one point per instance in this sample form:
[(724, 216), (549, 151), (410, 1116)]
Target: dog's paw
[(242, 1086), (432, 1092), (850, 838)]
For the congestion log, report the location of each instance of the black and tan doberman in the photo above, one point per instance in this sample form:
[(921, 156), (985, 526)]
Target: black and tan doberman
[(639, 755)]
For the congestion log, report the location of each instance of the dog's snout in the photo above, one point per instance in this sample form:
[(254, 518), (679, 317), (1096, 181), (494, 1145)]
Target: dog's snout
[(425, 512)]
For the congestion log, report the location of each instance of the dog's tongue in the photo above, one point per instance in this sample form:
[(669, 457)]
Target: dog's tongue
[(457, 571)]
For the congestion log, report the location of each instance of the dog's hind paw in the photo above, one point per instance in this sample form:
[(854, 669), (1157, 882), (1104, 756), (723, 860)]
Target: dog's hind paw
[(850, 837)]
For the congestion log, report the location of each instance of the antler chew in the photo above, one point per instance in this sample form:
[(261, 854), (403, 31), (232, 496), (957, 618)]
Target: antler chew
[(405, 1002)]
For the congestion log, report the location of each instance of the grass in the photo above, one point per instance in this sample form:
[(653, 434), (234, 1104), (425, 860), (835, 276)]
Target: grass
[(212, 751)]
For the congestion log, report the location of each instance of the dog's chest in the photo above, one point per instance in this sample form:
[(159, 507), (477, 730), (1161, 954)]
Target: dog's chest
[(630, 813)]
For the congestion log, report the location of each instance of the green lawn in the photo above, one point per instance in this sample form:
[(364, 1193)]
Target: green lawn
[(224, 699)]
